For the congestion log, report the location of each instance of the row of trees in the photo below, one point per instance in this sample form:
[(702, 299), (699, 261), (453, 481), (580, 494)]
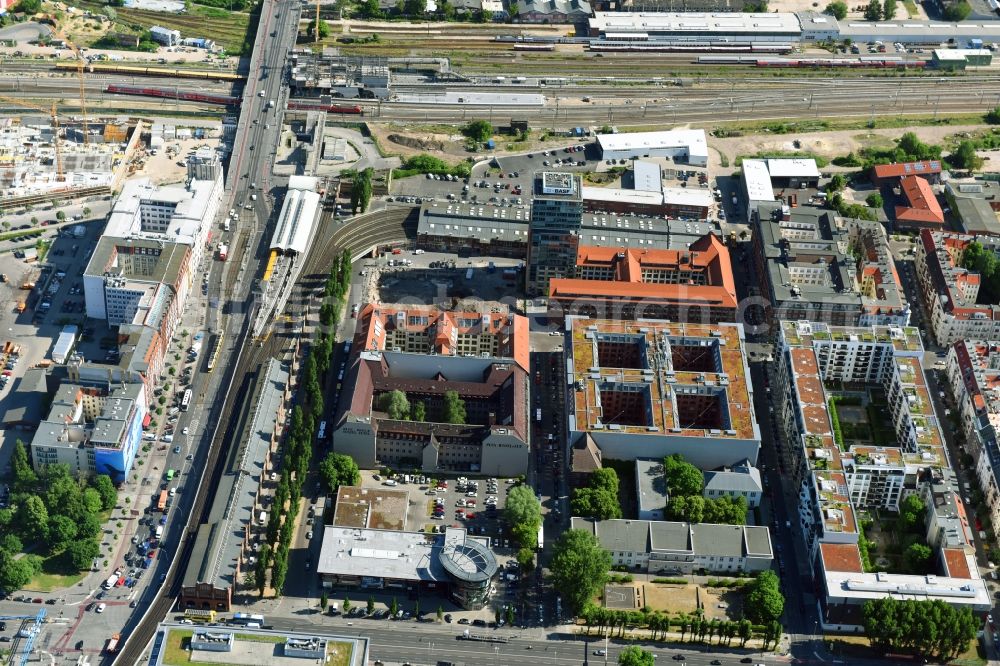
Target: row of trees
[(599, 499), (52, 514), (928, 628), (693, 626), (397, 406), (334, 291), (361, 191), (523, 513), (298, 445), (685, 484)]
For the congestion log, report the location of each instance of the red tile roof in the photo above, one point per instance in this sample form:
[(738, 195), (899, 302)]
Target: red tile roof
[(901, 169), (923, 207)]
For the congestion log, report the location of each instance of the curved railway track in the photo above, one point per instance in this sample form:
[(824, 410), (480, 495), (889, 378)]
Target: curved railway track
[(355, 235)]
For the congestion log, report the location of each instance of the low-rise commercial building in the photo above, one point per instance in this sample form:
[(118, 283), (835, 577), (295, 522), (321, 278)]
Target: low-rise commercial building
[(819, 266), (659, 547), (838, 477), (762, 176), (975, 204), (454, 563), (694, 285), (959, 306), (682, 145), (649, 388)]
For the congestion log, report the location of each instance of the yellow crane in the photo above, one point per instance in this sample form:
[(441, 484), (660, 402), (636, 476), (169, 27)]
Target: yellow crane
[(317, 21), (55, 128), (80, 64)]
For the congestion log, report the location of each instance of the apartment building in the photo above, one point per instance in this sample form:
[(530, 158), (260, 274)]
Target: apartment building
[(973, 370), (838, 477), (649, 388), (959, 304), (818, 266), (92, 428)]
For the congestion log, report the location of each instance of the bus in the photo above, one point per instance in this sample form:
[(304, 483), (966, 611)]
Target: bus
[(216, 350), (321, 434), (538, 416), (247, 619), (112, 646), (161, 504), (186, 400), (199, 615)]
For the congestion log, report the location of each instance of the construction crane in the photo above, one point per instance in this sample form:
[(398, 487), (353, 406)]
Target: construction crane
[(317, 21), (80, 64), (55, 128)]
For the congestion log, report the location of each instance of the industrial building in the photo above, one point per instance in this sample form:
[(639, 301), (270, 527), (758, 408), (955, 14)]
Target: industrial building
[(659, 547), (694, 285), (837, 478), (424, 352), (975, 203), (238, 518), (649, 388), (454, 563), (682, 145), (690, 26), (959, 307), (816, 265), (762, 177), (973, 370), (93, 428)]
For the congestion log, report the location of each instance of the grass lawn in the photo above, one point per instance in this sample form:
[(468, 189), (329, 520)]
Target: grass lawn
[(911, 8), (858, 647), (55, 575), (339, 653), (229, 29), (174, 650)]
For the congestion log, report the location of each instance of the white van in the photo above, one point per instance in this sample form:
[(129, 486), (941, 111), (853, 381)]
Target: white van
[(159, 531), (167, 438)]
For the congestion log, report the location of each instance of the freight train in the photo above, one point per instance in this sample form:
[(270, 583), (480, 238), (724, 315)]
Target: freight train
[(142, 70), (639, 42), (183, 95)]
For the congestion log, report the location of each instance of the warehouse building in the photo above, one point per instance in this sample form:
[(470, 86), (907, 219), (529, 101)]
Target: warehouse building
[(975, 203), (689, 26), (682, 145)]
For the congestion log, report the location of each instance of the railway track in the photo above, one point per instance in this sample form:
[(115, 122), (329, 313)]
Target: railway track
[(356, 235)]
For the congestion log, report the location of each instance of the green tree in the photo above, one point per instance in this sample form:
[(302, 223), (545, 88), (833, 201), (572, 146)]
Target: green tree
[(524, 515), (837, 9), (338, 470), (914, 149), (479, 131), (579, 568), (371, 605), (394, 608), (510, 614), (605, 479), (744, 630), (595, 503), (32, 518), (81, 553), (837, 183), (873, 10), (263, 562), (634, 655), (682, 478), (415, 8), (395, 404), (453, 409), (14, 574), (61, 532), (992, 117), (446, 10), (912, 512), (440, 613), (29, 7), (324, 600), (764, 601), (24, 476), (279, 570), (347, 605), (526, 559), (515, 9), (87, 211), (916, 557), (10, 542), (956, 11), (965, 157), (888, 9), (418, 411), (874, 200), (91, 500)]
